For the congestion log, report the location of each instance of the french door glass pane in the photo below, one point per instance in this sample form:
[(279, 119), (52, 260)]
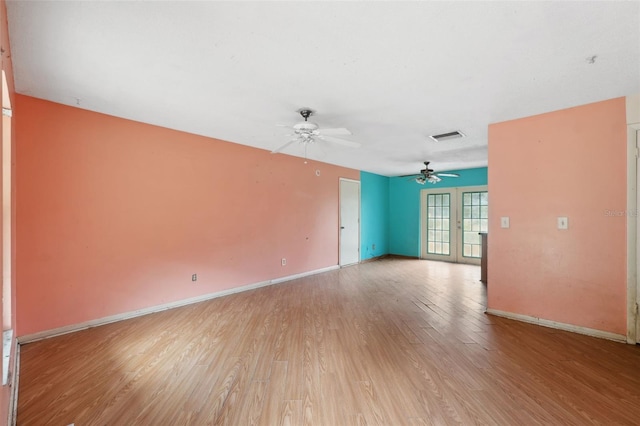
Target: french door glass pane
[(475, 214), (438, 232)]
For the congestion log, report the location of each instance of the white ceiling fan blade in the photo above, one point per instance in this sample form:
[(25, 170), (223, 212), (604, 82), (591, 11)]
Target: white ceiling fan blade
[(340, 141), (277, 150), (284, 125), (338, 131), (453, 175)]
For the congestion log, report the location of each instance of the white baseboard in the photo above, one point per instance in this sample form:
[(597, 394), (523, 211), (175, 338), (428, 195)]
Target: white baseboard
[(304, 274), (158, 308), (374, 258), (559, 325)]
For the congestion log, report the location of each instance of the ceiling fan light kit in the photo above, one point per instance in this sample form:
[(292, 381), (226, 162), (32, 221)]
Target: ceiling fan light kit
[(431, 179)]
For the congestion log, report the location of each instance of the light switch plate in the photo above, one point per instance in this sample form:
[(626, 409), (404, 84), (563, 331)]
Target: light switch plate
[(563, 222), (504, 222)]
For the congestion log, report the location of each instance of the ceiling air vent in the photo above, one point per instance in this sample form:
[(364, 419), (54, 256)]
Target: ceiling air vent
[(446, 136)]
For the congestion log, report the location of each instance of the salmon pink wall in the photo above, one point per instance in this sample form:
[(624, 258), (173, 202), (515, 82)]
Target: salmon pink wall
[(565, 163), (116, 215)]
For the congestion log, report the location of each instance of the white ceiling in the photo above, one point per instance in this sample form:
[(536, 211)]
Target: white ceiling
[(391, 72)]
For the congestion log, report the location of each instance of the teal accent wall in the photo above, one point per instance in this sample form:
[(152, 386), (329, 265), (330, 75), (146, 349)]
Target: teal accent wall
[(404, 207), (374, 215)]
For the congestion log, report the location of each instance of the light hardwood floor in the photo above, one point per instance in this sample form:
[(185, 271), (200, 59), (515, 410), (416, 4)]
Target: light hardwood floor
[(390, 342)]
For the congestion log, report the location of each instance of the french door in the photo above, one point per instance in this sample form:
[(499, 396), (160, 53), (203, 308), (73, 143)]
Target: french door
[(451, 221)]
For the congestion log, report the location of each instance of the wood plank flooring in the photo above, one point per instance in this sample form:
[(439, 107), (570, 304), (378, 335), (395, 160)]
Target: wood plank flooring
[(391, 342)]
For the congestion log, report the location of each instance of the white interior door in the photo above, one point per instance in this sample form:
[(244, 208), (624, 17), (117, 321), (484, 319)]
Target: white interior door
[(349, 222), (451, 222)]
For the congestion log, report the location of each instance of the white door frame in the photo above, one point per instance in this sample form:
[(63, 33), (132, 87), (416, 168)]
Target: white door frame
[(633, 219), (341, 227)]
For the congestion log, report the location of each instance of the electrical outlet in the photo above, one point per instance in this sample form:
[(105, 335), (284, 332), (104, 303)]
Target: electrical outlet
[(194, 277), (283, 262), (563, 222)]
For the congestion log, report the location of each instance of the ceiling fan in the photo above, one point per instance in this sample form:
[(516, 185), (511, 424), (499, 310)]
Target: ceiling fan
[(307, 132), (428, 175)]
